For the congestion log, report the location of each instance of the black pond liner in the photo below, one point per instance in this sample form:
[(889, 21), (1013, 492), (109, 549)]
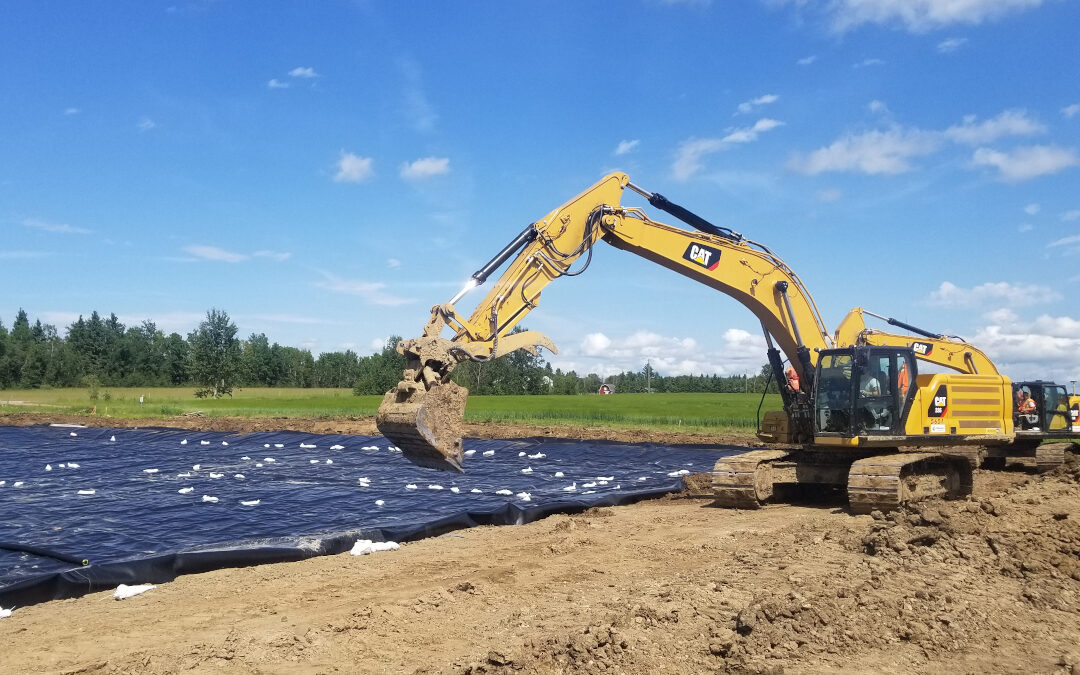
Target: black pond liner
[(137, 527)]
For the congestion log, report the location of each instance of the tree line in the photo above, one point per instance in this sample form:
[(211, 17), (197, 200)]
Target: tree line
[(102, 351), (98, 351)]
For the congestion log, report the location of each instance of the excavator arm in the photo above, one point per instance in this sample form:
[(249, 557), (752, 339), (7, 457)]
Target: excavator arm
[(423, 413), (948, 351)]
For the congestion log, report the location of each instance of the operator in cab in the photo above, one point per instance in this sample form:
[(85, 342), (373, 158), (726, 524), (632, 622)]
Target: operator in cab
[(870, 385), (1025, 405)]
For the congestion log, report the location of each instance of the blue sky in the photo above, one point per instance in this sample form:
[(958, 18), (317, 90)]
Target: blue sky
[(326, 173)]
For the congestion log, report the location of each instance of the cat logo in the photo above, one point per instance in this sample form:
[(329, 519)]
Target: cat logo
[(940, 404), (922, 348), (705, 256)]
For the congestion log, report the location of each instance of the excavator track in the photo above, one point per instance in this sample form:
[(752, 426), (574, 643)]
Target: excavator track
[(885, 482), (974, 454), (1050, 456), (745, 481), (1030, 454)]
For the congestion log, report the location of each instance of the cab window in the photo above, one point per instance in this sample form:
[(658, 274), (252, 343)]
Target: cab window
[(834, 393), (876, 403)]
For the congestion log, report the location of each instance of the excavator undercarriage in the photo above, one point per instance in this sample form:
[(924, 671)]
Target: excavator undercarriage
[(880, 482)]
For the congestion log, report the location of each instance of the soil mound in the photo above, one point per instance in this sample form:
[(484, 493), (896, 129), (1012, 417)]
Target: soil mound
[(929, 582)]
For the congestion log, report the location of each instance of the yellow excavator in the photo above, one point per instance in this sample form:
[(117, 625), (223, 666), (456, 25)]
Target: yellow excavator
[(1053, 413), (864, 418)]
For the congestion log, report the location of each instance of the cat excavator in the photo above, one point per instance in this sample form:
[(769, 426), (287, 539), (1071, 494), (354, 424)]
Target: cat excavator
[(863, 419), (1052, 415)]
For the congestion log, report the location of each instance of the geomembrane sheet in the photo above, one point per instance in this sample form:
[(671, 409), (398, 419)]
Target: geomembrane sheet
[(144, 505)]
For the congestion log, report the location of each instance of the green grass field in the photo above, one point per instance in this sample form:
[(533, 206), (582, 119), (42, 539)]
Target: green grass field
[(682, 411)]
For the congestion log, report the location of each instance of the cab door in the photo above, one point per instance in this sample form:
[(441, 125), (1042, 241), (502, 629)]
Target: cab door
[(1055, 404), (885, 386), (834, 394)]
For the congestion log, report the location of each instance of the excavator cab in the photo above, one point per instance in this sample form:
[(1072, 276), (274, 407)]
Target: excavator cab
[(1051, 411), (862, 391)]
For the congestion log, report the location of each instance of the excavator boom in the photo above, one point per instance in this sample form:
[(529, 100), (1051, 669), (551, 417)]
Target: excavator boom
[(948, 351)]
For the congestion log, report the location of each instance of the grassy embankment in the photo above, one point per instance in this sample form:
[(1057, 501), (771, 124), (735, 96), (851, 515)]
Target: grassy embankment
[(683, 411)]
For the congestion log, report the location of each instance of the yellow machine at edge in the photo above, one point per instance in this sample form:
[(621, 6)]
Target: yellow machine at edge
[(862, 419)]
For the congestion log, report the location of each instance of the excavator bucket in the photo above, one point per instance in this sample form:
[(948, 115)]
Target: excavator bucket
[(423, 414), (426, 424)]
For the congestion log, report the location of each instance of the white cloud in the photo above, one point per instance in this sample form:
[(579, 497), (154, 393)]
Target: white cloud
[(72, 111), (1007, 123), (691, 154), (21, 255), (1027, 162), (145, 124), (418, 110), (737, 352), (1047, 348), (1001, 315), (1057, 326), (61, 320), (872, 152), (1071, 110), (272, 255), (372, 291), (1070, 216), (303, 72), (1066, 246), (275, 83), (649, 343), (1032, 209), (1025, 227), (354, 168), (806, 60), (829, 195), (865, 63), (1072, 242), (950, 45), (1010, 343), (215, 254), (918, 15), (393, 262), (748, 134), (60, 228), (425, 168), (949, 295), (595, 344), (747, 107), (287, 318), (625, 147), (892, 151), (166, 322)]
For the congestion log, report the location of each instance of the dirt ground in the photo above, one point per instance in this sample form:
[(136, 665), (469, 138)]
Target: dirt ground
[(986, 585)]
